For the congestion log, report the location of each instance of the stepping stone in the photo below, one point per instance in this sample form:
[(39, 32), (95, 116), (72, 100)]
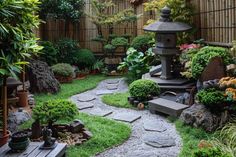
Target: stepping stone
[(100, 112), (112, 86), (154, 126), (126, 117), (112, 81), (84, 105), (166, 106), (159, 141), (86, 97), (103, 92)]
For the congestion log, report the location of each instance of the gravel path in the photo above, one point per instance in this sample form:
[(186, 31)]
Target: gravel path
[(136, 145)]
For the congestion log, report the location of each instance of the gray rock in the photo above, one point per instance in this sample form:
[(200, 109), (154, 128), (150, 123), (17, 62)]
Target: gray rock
[(84, 105), (103, 92), (199, 116), (112, 86), (17, 118), (86, 97), (112, 81), (154, 126), (126, 117), (159, 141), (100, 112)]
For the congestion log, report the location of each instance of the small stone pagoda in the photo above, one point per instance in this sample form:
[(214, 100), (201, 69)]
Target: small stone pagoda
[(172, 86), (166, 39)]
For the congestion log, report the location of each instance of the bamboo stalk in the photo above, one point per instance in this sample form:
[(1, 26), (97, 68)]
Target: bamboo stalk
[(4, 106)]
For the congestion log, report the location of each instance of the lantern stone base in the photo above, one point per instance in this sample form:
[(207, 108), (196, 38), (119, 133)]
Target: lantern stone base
[(177, 84)]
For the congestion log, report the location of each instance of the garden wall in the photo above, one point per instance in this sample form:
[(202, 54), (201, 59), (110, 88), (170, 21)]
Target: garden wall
[(215, 20), (84, 31)]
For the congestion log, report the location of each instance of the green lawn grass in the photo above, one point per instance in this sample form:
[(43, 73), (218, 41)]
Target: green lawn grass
[(106, 133), (67, 90), (117, 99), (190, 137)]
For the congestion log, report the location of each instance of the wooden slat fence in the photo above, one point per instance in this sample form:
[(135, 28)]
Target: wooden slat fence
[(84, 31), (215, 20)]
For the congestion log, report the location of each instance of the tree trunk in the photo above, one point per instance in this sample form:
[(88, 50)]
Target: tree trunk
[(4, 106)]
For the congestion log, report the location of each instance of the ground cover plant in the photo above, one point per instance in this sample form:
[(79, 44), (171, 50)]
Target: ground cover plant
[(106, 133), (117, 100)]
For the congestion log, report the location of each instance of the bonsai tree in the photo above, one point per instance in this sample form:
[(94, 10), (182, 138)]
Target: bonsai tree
[(17, 41), (100, 18), (53, 110)]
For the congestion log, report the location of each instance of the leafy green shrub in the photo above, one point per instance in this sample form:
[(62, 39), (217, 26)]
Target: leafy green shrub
[(142, 43), (142, 89), (54, 110), (65, 9), (210, 152), (137, 63), (48, 53), (85, 58), (109, 48), (120, 41), (211, 98), (67, 50), (62, 69), (203, 57)]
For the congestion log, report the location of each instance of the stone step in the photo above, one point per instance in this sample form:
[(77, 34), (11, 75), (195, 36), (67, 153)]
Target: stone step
[(166, 106)]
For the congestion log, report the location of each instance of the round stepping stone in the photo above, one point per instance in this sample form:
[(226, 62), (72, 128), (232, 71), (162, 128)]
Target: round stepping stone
[(154, 126), (112, 81), (86, 97), (126, 117), (159, 141), (103, 92), (112, 87), (84, 105)]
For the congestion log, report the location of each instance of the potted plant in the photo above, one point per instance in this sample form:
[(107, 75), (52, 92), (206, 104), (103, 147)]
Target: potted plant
[(63, 72), (19, 140), (51, 111), (18, 42), (97, 67)]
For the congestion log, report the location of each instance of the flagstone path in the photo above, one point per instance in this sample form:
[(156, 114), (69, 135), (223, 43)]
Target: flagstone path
[(152, 135)]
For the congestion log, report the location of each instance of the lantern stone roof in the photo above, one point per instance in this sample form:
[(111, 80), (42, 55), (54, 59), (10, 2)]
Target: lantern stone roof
[(166, 25)]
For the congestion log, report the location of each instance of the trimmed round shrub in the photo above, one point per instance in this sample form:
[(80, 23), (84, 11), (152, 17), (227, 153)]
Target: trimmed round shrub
[(85, 58), (203, 57), (48, 53), (142, 43), (211, 98), (142, 89), (67, 50), (62, 69)]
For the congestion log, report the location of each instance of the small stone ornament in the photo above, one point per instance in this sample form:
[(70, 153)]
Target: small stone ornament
[(49, 141)]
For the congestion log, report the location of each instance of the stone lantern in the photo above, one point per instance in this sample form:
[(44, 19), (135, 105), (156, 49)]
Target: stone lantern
[(166, 39)]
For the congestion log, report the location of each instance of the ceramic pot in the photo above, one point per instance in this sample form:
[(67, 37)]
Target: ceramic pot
[(23, 98)]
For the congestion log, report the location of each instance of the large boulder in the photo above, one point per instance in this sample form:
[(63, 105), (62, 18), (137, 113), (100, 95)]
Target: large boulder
[(199, 116), (42, 79)]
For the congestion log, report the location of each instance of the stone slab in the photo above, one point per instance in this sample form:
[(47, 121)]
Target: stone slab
[(100, 112), (154, 126), (103, 92), (126, 117), (85, 97), (166, 106), (84, 105), (155, 69), (112, 81), (159, 141), (112, 86)]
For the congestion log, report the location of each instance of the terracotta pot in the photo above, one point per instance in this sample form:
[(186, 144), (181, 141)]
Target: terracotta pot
[(23, 98), (63, 79), (4, 139)]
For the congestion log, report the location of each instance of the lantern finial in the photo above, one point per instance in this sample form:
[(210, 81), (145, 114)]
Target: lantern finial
[(165, 14)]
